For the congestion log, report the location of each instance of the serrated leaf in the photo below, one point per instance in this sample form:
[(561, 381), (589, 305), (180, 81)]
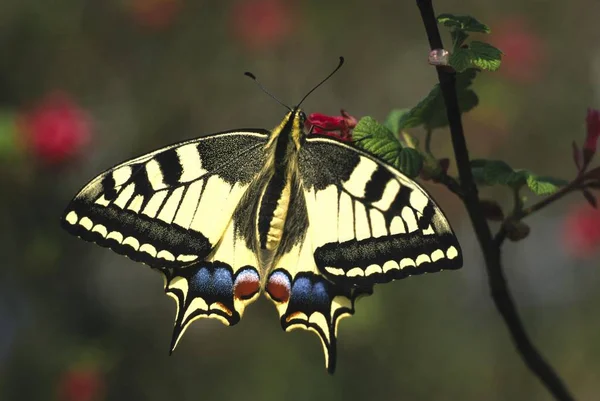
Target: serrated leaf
[(392, 122), (380, 141), (377, 139), (544, 185), (461, 59), (431, 111), (497, 172), (476, 54), (410, 162), (485, 56), (462, 22)]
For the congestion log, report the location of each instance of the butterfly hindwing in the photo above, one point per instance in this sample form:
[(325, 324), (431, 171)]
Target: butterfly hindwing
[(169, 208), (304, 298), (370, 223), (219, 287)]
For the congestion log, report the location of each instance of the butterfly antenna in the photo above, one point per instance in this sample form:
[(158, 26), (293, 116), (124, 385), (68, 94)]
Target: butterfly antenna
[(251, 75), (340, 64)]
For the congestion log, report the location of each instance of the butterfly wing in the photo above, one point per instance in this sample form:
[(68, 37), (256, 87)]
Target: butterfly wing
[(304, 298), (169, 208), (370, 223)]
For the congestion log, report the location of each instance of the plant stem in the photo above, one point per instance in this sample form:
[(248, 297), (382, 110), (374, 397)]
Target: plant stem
[(428, 135), (491, 250)]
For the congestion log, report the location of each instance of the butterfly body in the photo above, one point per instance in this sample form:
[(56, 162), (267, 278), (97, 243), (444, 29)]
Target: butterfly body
[(312, 222)]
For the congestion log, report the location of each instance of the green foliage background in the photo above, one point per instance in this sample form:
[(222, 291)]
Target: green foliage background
[(68, 305)]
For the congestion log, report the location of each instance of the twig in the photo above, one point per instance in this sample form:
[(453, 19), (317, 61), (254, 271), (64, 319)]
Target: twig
[(491, 250)]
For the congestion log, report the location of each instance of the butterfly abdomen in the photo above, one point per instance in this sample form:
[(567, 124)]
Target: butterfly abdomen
[(273, 207)]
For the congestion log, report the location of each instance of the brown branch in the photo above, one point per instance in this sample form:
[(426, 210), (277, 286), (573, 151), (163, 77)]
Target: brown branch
[(491, 250)]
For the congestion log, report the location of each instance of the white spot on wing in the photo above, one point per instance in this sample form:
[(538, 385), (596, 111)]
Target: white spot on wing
[(186, 258), (132, 242), (428, 230), (149, 249), (361, 221), (372, 269), (437, 255), (360, 176), (115, 235), (390, 265), (452, 252), (125, 195), (189, 158), (136, 204), (389, 194), (418, 200), (121, 175), (215, 208), (86, 223), (155, 175), (155, 203), (422, 259), (334, 270), (409, 217), (397, 226), (188, 206), (407, 262), (170, 208), (71, 217), (102, 201), (345, 218), (166, 255), (323, 212), (100, 229), (377, 223), (355, 272)]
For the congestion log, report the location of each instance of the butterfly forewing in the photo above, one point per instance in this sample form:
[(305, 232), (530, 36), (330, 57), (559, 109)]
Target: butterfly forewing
[(370, 223), (169, 208)]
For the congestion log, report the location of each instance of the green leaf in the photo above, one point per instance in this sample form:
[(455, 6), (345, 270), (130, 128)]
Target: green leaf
[(458, 38), (498, 172), (392, 122), (485, 56), (410, 162), (544, 185), (377, 139), (380, 141), (431, 111), (461, 59), (476, 54), (462, 22)]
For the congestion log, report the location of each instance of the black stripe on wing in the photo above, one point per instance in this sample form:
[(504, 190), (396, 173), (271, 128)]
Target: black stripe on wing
[(170, 207), (372, 224)]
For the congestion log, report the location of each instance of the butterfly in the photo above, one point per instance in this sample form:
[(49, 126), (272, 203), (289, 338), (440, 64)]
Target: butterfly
[(312, 222)]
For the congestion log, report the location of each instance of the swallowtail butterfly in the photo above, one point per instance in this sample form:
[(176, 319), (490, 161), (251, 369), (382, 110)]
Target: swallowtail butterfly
[(311, 222)]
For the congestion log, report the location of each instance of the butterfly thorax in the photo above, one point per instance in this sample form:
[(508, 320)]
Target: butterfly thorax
[(281, 170)]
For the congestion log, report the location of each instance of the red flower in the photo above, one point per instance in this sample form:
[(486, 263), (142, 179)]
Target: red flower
[(522, 47), (80, 385), (339, 127), (582, 231), (593, 133), (155, 14), (56, 129), (261, 24)]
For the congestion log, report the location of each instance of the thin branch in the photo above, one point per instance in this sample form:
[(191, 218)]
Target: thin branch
[(491, 251)]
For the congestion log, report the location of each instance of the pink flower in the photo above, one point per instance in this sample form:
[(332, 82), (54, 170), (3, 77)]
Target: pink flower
[(155, 14), (523, 49), (339, 127), (592, 134), (262, 24), (582, 231), (56, 129), (81, 385)]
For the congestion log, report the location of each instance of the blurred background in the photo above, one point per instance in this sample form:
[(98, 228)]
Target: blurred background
[(86, 84)]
